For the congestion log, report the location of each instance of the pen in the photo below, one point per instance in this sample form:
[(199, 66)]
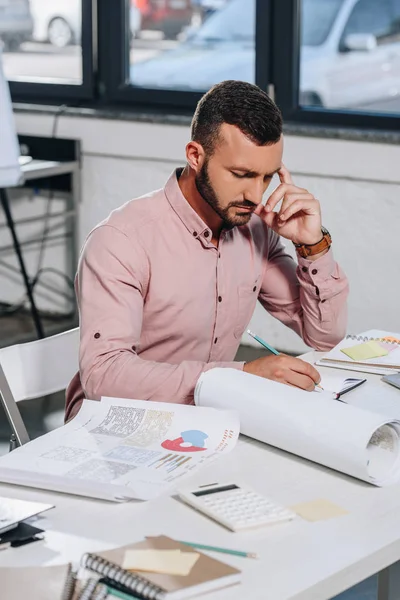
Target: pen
[(217, 549), (271, 349), (349, 389)]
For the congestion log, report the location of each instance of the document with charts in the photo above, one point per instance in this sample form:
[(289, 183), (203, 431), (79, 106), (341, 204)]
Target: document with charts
[(362, 443), (123, 449)]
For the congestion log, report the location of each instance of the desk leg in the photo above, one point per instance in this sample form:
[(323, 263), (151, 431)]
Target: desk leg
[(17, 248), (389, 583)]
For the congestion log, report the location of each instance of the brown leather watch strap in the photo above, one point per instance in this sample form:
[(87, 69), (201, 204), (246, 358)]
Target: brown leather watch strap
[(305, 251)]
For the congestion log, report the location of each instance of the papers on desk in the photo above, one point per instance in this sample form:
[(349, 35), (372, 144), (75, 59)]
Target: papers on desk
[(123, 449), (348, 439), (373, 351)]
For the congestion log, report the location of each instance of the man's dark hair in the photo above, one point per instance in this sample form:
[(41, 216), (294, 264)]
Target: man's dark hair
[(241, 104)]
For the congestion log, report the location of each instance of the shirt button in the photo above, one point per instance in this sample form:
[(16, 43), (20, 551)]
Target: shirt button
[(206, 234), (219, 254), (322, 301), (96, 336), (194, 233), (219, 298), (314, 271), (304, 269), (216, 340), (317, 291), (255, 288)]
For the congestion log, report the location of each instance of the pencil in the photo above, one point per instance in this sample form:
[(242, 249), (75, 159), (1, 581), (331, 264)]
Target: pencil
[(216, 549), (263, 343), (271, 349)]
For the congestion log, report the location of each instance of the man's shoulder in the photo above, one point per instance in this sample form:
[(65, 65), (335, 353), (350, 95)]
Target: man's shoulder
[(139, 213)]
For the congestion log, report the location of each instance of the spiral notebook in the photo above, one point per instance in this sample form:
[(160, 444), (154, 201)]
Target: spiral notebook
[(388, 363), (207, 574)]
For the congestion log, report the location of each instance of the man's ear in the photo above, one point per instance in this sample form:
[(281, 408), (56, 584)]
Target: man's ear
[(195, 156)]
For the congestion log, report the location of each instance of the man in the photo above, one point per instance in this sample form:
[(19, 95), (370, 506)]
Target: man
[(168, 283)]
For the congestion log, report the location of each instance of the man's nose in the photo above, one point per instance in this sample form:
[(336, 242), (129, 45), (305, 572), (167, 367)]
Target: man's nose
[(255, 191)]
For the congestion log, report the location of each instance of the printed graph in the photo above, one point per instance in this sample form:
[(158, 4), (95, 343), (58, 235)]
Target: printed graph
[(171, 462)]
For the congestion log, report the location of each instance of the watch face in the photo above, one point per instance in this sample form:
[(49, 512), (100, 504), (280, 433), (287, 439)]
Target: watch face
[(325, 231)]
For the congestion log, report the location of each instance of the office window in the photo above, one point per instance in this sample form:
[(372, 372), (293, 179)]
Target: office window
[(189, 45), (42, 40), (350, 55)]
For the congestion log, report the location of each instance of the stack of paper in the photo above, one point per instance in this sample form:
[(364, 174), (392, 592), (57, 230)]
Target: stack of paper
[(120, 449)]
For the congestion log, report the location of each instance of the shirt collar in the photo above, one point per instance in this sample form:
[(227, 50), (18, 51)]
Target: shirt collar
[(189, 217)]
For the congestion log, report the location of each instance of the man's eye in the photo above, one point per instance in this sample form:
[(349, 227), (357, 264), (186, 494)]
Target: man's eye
[(238, 176)]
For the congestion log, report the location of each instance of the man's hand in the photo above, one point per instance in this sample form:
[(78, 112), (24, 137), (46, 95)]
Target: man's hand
[(299, 217), (285, 369)]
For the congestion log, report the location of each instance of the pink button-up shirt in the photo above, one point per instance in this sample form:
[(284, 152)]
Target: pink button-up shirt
[(159, 303)]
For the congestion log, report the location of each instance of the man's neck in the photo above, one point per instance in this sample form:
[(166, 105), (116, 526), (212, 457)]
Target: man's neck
[(189, 189)]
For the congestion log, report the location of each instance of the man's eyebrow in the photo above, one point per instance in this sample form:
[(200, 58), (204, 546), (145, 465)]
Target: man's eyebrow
[(254, 173)]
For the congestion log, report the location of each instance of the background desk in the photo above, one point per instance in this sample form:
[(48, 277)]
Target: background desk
[(61, 173), (298, 560)]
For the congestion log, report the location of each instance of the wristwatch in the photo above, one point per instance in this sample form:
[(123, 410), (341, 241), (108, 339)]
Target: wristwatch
[(305, 250)]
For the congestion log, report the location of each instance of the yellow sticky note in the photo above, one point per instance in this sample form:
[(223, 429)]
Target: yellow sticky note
[(365, 351), (170, 562), (319, 510)]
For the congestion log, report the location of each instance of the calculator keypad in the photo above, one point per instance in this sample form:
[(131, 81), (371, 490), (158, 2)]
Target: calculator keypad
[(242, 509)]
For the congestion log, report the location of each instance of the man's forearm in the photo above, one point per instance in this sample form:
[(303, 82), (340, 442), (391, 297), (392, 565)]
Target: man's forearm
[(323, 298), (125, 375)]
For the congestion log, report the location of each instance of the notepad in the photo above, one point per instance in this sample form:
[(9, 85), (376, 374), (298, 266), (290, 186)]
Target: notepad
[(206, 575), (319, 510), (170, 562), (365, 351), (383, 355)]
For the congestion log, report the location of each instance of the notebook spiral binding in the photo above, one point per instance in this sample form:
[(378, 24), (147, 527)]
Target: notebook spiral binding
[(93, 590), (132, 582), (364, 338), (69, 587)]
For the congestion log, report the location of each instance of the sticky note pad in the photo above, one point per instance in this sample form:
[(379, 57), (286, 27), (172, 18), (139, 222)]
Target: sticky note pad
[(365, 351), (170, 562), (319, 510)]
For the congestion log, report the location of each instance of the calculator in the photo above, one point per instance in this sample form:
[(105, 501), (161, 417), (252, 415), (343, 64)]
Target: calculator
[(235, 507)]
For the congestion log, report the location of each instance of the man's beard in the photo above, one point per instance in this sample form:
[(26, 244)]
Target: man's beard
[(207, 192)]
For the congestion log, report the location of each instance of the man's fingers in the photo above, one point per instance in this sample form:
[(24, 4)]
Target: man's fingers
[(310, 206), (272, 220), (284, 175), (290, 198), (300, 366), (276, 196), (300, 381), (282, 191)]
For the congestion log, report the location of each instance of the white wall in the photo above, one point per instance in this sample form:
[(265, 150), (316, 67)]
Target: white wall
[(357, 183)]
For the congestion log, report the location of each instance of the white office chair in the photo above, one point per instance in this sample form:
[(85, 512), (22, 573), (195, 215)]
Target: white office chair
[(33, 370)]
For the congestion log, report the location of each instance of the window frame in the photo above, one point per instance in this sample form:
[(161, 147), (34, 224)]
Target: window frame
[(105, 66), (117, 89), (286, 78), (67, 93)]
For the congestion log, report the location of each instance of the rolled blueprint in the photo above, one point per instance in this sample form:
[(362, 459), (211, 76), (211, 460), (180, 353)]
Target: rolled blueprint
[(312, 425)]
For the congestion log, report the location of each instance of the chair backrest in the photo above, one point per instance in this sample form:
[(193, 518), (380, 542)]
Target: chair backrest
[(41, 367)]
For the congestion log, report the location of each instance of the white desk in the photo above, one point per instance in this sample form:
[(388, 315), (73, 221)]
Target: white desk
[(298, 560)]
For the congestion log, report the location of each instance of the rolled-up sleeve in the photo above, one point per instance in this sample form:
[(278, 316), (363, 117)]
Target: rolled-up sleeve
[(112, 280), (310, 297)]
